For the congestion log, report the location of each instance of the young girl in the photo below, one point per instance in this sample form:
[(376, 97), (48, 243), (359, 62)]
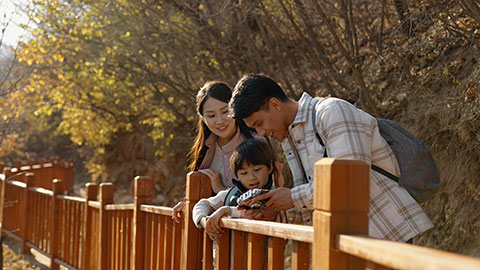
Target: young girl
[(253, 163)]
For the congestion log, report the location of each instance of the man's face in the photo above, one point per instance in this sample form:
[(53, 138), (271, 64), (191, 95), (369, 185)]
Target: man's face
[(269, 121)]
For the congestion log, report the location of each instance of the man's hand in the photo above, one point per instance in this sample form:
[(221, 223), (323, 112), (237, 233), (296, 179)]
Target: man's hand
[(265, 213), (278, 199)]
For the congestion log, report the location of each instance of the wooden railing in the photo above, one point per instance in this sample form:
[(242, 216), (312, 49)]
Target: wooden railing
[(95, 233), (44, 172)]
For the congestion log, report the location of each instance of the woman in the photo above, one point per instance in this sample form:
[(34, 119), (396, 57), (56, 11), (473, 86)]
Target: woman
[(217, 136)]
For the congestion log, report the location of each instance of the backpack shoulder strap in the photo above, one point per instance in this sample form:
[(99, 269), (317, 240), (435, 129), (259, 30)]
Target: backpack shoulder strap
[(315, 130), (231, 193)]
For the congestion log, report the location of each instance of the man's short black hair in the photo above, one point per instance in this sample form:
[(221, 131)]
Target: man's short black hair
[(251, 93)]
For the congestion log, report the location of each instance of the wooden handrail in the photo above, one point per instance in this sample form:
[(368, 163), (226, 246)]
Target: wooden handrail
[(16, 183), (401, 255), (72, 198), (125, 206), (295, 232), (41, 191), (94, 204), (161, 210)]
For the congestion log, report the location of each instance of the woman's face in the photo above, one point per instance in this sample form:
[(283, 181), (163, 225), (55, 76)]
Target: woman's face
[(215, 116)]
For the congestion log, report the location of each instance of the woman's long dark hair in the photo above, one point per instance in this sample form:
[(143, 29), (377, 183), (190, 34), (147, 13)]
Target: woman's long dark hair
[(220, 91)]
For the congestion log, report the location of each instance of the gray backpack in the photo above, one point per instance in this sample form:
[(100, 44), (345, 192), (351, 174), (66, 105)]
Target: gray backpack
[(418, 172)]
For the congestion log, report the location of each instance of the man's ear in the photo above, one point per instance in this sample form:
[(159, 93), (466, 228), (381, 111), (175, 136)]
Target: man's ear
[(271, 167), (275, 104)]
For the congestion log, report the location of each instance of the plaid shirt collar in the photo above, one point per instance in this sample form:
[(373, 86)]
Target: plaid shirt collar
[(303, 104)]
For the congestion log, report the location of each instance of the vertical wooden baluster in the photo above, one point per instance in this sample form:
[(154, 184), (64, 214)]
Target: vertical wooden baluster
[(341, 199), (92, 191), (255, 251), (223, 250), (160, 242), (300, 255), (177, 245), (239, 240), (276, 249), (153, 238), (56, 237), (148, 241), (207, 252), (143, 195), (168, 243), (106, 197), (27, 212)]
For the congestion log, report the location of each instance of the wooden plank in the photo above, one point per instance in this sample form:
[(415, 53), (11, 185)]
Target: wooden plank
[(148, 241), (115, 239), (143, 189), (106, 197), (255, 251), (177, 245), (119, 207), (341, 200), (403, 256), (160, 210), (207, 252), (67, 213), (300, 255), (299, 233), (239, 240), (160, 241), (56, 237), (91, 194), (152, 235), (122, 242), (26, 213), (198, 186), (223, 250), (276, 253), (168, 243)]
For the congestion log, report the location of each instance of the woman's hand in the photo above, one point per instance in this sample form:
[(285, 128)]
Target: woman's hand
[(212, 226), (177, 214), (215, 179)]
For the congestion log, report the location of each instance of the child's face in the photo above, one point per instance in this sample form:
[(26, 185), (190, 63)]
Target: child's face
[(253, 176)]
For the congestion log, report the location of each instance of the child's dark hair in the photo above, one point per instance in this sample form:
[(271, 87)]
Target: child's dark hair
[(253, 152)]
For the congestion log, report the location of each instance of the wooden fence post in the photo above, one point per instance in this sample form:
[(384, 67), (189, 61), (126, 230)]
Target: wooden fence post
[(143, 195), (55, 240), (198, 186), (341, 200), (106, 197), (26, 212), (92, 192)]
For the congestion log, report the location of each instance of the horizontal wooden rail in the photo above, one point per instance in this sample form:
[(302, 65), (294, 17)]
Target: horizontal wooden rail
[(401, 255), (299, 233), (161, 210), (41, 191), (126, 206), (64, 264), (72, 198), (16, 183), (94, 204)]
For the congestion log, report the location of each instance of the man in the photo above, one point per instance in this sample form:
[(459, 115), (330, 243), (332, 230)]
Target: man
[(346, 132)]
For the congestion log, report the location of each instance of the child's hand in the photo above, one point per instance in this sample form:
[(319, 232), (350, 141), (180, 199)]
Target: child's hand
[(212, 227)]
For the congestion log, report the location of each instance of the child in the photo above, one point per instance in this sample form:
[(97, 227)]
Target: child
[(252, 162)]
